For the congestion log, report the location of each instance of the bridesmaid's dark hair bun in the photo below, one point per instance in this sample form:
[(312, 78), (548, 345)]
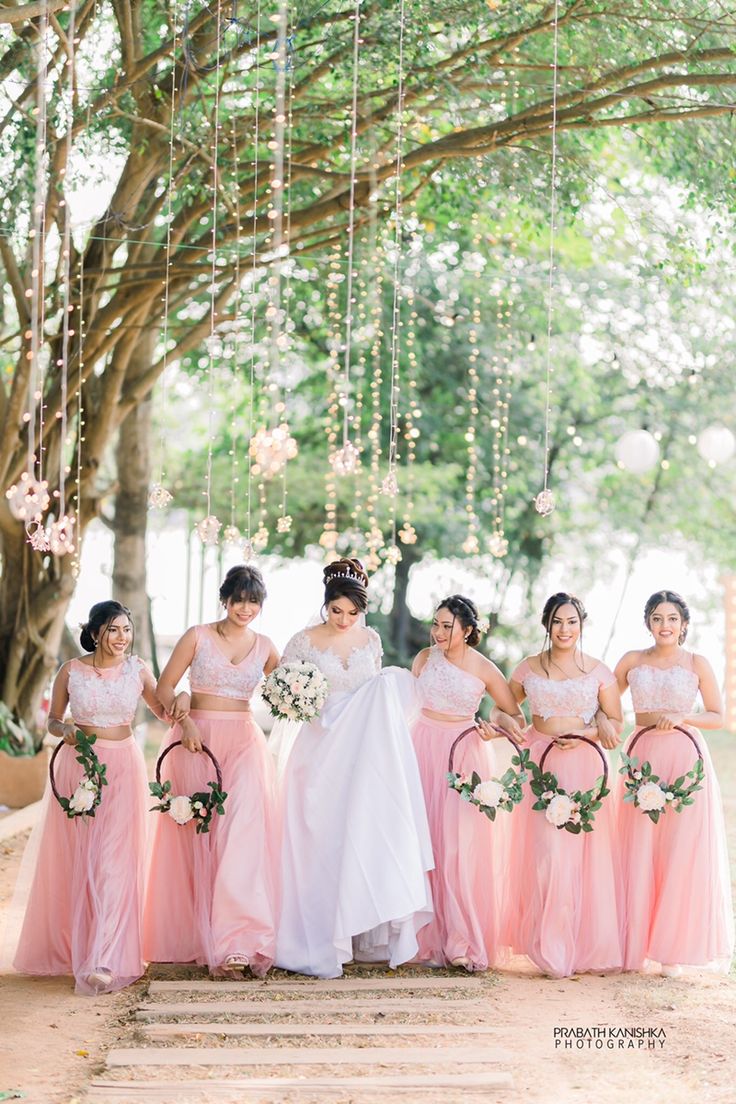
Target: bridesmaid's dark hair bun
[(101, 614), (553, 603), (466, 613), (346, 579), (674, 599), (243, 583)]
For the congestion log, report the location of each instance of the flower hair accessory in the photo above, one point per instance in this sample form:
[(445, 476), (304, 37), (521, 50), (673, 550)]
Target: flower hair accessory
[(575, 812), (652, 794), (88, 793), (183, 808)]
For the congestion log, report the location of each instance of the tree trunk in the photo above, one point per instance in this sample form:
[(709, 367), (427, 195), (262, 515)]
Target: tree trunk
[(406, 633), (133, 460)]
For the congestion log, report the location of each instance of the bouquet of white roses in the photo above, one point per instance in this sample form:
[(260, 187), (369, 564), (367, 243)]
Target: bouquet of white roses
[(295, 691)]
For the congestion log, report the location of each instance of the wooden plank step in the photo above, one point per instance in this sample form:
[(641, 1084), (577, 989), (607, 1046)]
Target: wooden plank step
[(274, 1088), (324, 1007), (169, 1030), (333, 985), (140, 1057)]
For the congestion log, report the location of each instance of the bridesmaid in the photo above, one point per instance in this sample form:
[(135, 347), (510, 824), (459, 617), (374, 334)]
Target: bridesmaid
[(212, 898), (466, 882), (86, 900), (677, 889), (563, 909)]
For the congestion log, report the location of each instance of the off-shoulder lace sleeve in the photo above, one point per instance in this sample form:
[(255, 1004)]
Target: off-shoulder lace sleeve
[(606, 676), (520, 672), (296, 649), (376, 647)]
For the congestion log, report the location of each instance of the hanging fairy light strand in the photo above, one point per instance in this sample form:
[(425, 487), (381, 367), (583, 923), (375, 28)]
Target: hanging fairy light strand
[(159, 496), (345, 460), (231, 533), (544, 503), (28, 499), (248, 543), (209, 527), (61, 531), (284, 520), (390, 485), (471, 544)]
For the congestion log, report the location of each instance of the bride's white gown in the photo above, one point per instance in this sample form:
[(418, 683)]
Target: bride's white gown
[(356, 846)]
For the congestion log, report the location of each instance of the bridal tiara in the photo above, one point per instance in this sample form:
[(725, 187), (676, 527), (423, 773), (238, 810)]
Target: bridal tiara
[(348, 573)]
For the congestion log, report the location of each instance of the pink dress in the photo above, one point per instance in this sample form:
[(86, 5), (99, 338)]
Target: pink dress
[(86, 899), (563, 908), (467, 882), (677, 890), (213, 895)]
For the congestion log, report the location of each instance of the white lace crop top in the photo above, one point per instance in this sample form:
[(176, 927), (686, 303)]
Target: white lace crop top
[(445, 688), (361, 665), (571, 697), (105, 697), (211, 672), (659, 690)]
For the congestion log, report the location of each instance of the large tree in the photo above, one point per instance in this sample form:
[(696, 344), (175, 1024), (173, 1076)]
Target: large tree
[(163, 96)]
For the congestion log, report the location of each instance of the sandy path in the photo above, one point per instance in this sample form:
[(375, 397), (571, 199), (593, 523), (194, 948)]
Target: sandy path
[(45, 1026)]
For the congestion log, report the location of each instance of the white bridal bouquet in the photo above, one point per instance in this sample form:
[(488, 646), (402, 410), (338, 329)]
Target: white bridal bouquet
[(296, 691)]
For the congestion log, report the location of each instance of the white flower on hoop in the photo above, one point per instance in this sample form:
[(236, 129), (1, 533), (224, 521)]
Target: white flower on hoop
[(650, 796), (180, 809)]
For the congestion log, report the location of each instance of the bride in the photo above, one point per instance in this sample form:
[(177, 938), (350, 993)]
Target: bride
[(356, 848)]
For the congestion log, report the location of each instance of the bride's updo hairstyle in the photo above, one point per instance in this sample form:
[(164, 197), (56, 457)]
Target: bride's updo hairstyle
[(98, 622), (243, 583), (466, 612), (346, 579)]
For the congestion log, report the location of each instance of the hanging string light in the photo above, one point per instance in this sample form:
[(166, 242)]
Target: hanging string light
[(209, 527), (231, 533), (28, 499), (407, 533), (159, 496), (390, 485), (329, 535), (544, 503), (345, 460), (284, 521), (471, 544), (76, 562)]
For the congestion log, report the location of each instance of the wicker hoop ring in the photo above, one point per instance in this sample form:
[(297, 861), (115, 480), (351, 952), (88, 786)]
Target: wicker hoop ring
[(205, 749), (52, 760), (474, 728), (585, 740), (679, 728)]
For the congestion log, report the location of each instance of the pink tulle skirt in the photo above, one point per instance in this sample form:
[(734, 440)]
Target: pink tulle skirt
[(563, 905), (86, 898), (470, 852), (677, 908), (215, 894)]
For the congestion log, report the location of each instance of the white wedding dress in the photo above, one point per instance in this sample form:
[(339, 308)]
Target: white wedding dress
[(356, 846)]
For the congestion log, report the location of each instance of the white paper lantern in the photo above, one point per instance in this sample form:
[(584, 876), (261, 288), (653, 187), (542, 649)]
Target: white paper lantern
[(716, 444), (637, 451)]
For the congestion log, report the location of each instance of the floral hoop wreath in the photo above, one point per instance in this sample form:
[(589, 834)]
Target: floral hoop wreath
[(649, 792), (199, 807), (88, 793), (575, 812), (495, 793)]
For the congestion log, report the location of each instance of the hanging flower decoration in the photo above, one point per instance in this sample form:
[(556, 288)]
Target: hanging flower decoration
[(408, 534), (545, 503), (283, 525), (345, 460), (159, 497), (390, 485), (328, 538), (38, 538), (471, 545), (61, 535), (260, 539), (28, 498), (248, 550), (498, 546), (271, 449), (208, 529), (392, 554), (231, 534)]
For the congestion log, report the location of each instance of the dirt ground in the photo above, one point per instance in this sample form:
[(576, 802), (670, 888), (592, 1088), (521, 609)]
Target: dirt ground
[(53, 1042)]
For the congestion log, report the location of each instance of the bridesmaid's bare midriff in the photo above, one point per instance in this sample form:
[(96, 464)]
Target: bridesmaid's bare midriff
[(558, 726), (119, 732), (644, 719), (225, 705)]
